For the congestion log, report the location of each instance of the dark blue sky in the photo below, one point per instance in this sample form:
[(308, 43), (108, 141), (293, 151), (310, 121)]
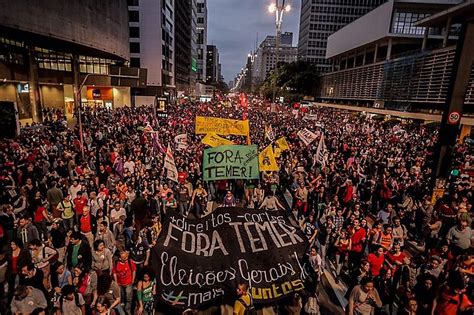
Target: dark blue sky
[(233, 26)]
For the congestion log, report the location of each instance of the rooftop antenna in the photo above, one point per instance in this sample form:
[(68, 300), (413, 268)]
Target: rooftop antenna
[(256, 42)]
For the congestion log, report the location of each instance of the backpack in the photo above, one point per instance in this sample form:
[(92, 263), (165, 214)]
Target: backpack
[(249, 309)]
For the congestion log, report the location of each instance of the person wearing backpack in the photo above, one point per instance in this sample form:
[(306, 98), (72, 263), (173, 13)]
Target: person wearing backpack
[(244, 304), (70, 302)]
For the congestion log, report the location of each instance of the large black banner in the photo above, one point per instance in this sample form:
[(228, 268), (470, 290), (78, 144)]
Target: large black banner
[(201, 261)]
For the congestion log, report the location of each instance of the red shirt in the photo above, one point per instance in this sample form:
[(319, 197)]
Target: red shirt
[(39, 215), (448, 303), (86, 224), (79, 204), (376, 263), (392, 258), (14, 265), (182, 177), (124, 272), (357, 238)]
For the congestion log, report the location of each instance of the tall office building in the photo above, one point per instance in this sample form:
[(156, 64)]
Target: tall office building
[(212, 64), (193, 75), (321, 18), (151, 25), (201, 42), (264, 59), (183, 20)]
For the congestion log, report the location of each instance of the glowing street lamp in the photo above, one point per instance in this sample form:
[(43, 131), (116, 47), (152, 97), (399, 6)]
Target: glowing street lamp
[(278, 8), (272, 8)]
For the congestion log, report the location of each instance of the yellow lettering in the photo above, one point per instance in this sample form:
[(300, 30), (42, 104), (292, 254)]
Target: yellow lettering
[(267, 293), (275, 291), (255, 295), (286, 287), (297, 285)]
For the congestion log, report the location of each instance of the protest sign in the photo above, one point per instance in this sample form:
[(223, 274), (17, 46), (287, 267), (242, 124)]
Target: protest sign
[(310, 117), (201, 261), (170, 166), (266, 160), (213, 140), (230, 162), (181, 141), (221, 126), (307, 136), (269, 134)]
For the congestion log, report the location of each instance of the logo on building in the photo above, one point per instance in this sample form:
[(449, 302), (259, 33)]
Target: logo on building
[(96, 93)]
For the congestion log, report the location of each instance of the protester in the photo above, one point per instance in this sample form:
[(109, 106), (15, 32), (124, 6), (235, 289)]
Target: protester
[(27, 299), (244, 300), (369, 188), (364, 298)]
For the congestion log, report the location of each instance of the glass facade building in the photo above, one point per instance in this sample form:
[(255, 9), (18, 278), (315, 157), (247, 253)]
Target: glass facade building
[(321, 18)]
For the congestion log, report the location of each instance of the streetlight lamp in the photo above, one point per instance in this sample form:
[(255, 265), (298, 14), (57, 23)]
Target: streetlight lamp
[(278, 8)]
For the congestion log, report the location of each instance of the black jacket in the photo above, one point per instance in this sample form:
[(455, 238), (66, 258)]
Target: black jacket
[(84, 255), (23, 259)]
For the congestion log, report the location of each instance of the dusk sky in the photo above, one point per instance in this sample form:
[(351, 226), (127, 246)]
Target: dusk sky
[(233, 26)]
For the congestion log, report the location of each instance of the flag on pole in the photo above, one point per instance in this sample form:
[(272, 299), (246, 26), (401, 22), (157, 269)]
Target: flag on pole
[(170, 166), (280, 146), (148, 128), (321, 152), (157, 146), (213, 140), (267, 161)]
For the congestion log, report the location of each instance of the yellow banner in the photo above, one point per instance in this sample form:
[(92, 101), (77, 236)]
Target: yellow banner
[(280, 146), (266, 160), (222, 126), (213, 140)]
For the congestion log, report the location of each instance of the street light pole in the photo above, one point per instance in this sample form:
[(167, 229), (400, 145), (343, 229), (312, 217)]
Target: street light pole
[(278, 9), (79, 108)]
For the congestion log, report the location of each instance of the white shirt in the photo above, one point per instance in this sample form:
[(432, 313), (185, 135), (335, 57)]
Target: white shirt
[(73, 190), (130, 166), (115, 214)]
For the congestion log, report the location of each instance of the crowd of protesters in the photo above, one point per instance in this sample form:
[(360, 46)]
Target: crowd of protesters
[(77, 222)]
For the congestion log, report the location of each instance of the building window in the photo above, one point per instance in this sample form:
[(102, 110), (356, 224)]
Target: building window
[(134, 48), (135, 62), (200, 20), (132, 3), (133, 16), (134, 32), (404, 23), (200, 7)]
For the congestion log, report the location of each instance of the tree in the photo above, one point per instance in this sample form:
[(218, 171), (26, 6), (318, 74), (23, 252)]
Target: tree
[(294, 79)]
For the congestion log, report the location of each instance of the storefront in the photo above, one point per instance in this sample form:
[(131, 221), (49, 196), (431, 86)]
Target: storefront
[(100, 97), (107, 97)]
